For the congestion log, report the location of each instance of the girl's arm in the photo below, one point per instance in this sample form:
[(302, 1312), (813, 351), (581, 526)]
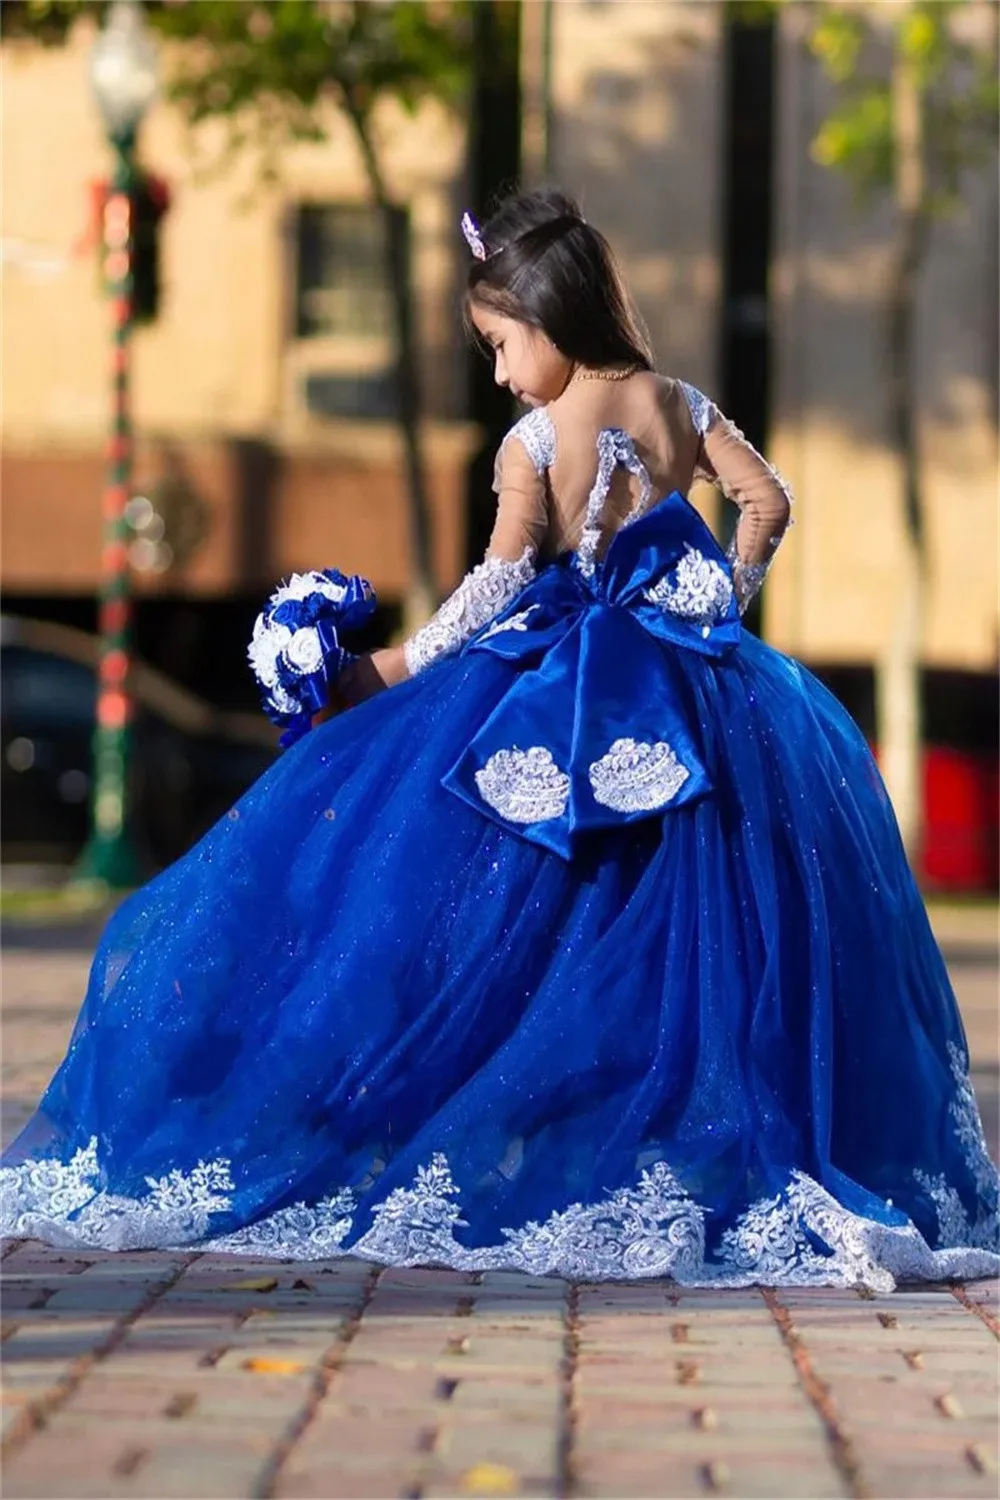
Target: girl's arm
[(508, 567), (727, 459)]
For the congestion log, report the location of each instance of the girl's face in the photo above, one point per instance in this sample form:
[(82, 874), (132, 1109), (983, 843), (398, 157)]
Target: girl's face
[(526, 360)]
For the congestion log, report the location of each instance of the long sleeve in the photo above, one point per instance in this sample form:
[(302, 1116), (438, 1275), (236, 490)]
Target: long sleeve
[(511, 558), (764, 499)]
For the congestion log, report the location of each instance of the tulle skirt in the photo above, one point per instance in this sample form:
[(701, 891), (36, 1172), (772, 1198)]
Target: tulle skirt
[(718, 1044)]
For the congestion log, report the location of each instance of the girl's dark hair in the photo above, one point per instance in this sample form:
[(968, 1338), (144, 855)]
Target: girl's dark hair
[(546, 266)]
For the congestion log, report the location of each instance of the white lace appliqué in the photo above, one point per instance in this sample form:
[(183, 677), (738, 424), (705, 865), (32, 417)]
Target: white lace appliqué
[(479, 598), (524, 786), (703, 411), (748, 578), (513, 622), (955, 1227), (614, 447), (537, 434), (64, 1204), (635, 776), (799, 1237), (697, 589)]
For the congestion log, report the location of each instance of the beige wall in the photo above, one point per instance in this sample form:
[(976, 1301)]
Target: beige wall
[(832, 594), (636, 94), (636, 135), (221, 362), (218, 359), (636, 91)]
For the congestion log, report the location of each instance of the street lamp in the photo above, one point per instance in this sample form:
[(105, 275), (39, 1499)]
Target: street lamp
[(123, 73)]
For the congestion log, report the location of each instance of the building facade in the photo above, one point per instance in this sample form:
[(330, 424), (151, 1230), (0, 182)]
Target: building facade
[(263, 386), (264, 382), (637, 100)]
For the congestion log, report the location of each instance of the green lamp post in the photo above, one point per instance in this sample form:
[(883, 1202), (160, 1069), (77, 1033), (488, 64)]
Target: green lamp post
[(123, 71)]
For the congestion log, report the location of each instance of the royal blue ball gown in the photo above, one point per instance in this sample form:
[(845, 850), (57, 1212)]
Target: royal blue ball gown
[(591, 950)]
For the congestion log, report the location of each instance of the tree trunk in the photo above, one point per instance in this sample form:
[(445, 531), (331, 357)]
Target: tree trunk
[(421, 597), (898, 670), (494, 148)]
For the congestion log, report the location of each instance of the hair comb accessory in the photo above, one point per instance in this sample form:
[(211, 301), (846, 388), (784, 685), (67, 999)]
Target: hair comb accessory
[(473, 238)]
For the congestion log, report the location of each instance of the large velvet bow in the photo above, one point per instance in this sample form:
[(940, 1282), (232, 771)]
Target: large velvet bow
[(599, 727)]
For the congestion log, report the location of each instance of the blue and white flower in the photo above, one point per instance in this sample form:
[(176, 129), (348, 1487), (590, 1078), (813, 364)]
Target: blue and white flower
[(295, 650)]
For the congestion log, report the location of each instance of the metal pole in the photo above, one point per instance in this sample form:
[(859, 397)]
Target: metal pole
[(110, 855)]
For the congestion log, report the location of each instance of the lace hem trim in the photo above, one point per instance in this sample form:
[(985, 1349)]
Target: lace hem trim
[(800, 1237)]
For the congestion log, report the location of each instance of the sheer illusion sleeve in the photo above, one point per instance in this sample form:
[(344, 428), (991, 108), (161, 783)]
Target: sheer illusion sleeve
[(764, 499), (511, 558)]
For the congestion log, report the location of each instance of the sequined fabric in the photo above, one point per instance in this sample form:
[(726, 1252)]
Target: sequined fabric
[(360, 1017)]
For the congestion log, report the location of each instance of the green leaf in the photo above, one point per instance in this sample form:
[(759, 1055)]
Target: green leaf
[(836, 40), (959, 92)]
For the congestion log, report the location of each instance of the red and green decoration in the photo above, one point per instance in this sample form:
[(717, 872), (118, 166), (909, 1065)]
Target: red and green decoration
[(130, 212), (150, 201)]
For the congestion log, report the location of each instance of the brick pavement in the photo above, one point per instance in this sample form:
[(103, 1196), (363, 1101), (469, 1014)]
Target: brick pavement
[(162, 1374)]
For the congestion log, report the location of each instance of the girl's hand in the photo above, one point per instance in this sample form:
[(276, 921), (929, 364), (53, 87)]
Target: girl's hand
[(371, 674), (335, 706), (362, 679)]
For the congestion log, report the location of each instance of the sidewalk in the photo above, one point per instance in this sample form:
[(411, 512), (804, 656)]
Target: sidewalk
[(191, 1375)]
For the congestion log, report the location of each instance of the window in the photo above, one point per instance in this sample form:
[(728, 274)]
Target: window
[(342, 271), (342, 359)]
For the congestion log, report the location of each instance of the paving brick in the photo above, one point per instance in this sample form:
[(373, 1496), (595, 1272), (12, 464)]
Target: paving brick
[(371, 1384), (449, 1371), (517, 1402), (55, 1340), (419, 1277), (922, 1482), (101, 1299), (360, 1442), (325, 1481), (32, 1258), (686, 1441), (206, 1469), (499, 1354), (984, 1291), (755, 1409), (78, 1467)]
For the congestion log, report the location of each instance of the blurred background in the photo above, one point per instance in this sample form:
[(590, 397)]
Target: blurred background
[(232, 348)]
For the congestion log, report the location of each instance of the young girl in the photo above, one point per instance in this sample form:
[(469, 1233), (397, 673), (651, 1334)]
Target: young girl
[(588, 948)]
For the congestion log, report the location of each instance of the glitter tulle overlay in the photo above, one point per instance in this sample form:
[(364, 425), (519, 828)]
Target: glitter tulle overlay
[(714, 1040)]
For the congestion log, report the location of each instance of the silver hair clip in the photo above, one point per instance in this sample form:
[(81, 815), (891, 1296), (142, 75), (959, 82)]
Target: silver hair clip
[(473, 238)]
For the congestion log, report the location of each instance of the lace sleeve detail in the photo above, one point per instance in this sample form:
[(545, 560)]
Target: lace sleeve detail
[(745, 477), (510, 563), (703, 410), (748, 578), (479, 598), (538, 436)]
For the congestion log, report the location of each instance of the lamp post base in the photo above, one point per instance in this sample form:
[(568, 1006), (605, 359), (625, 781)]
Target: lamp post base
[(111, 861)]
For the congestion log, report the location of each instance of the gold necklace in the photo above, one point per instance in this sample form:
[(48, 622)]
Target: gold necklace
[(580, 373)]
